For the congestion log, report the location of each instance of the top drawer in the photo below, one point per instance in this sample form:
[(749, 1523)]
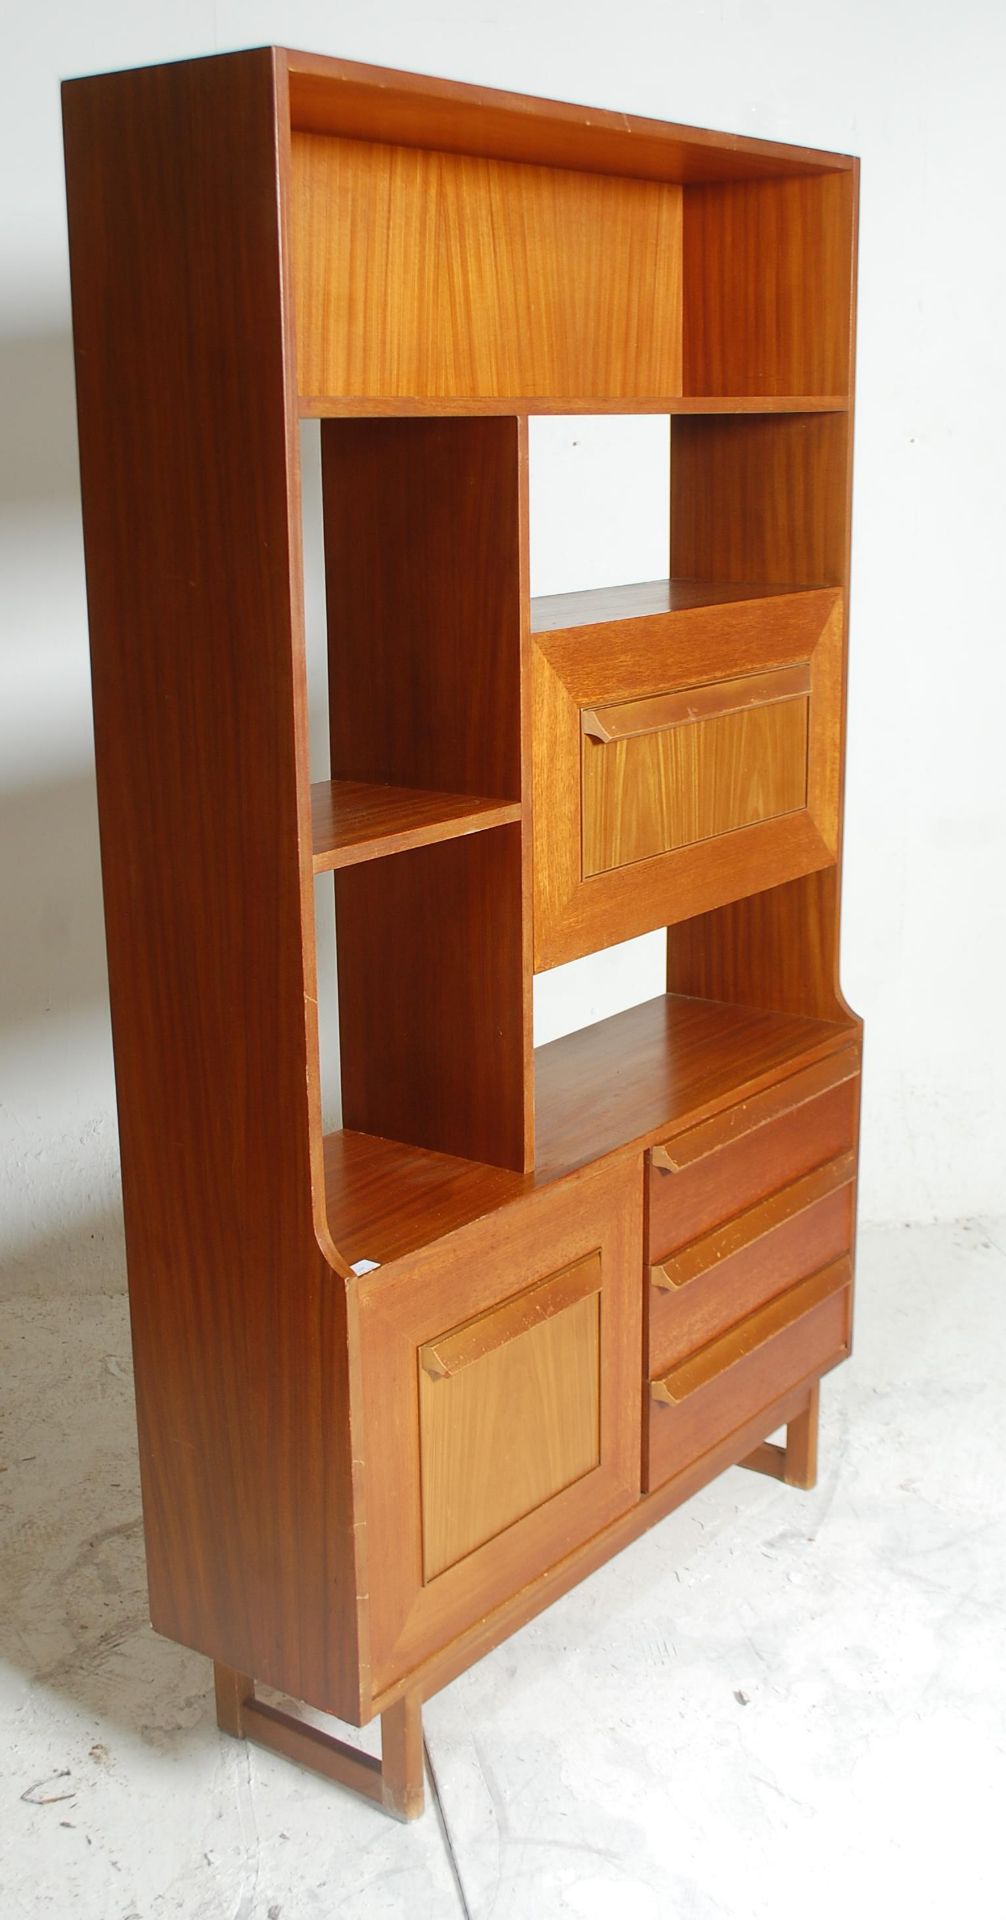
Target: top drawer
[(773, 1138)]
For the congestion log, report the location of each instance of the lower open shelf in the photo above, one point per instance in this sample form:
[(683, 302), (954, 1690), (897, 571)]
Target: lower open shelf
[(618, 1086)]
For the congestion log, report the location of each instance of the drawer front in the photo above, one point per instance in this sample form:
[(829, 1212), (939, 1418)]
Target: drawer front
[(690, 769), (496, 1407), (705, 1398), (718, 1280), (726, 1164)]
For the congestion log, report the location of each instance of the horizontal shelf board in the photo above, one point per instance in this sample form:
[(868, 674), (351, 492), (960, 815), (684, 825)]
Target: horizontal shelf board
[(343, 97), (619, 1086), (558, 612), (647, 1073), (354, 820), (332, 406), (385, 1199)]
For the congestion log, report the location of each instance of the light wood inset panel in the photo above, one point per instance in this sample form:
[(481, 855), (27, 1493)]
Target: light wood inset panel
[(509, 1413), (433, 274), (659, 791)]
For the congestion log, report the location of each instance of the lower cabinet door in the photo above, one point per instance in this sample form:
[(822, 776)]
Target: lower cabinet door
[(499, 1394)]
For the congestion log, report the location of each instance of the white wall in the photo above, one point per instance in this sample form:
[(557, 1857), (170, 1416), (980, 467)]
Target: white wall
[(915, 89)]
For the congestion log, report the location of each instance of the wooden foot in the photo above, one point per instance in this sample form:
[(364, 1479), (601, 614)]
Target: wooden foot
[(395, 1781), (796, 1462)]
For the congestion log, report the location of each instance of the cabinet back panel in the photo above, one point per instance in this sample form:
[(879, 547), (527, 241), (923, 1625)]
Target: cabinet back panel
[(440, 275)]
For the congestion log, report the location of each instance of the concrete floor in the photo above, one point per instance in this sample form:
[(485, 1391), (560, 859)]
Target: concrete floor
[(776, 1704)]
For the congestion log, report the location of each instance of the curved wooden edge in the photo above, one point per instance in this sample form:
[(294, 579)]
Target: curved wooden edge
[(736, 1122), (394, 1782), (733, 1236)]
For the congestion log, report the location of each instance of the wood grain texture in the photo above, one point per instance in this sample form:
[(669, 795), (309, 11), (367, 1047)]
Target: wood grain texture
[(685, 705), (439, 1057), (201, 755), (778, 949), (659, 1068), (800, 1131), (411, 109), (649, 795), (410, 1304), (423, 586), (637, 658), (803, 1332), (510, 1429), (424, 274), (595, 606), (768, 286), (353, 820), (327, 406), (760, 498), (717, 1281)]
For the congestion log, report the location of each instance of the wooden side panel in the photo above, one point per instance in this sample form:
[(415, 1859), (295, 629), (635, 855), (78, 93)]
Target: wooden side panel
[(777, 950), (768, 272), (439, 1055), (659, 791), (423, 583), (430, 274), (512, 1426), (186, 438), (760, 498)]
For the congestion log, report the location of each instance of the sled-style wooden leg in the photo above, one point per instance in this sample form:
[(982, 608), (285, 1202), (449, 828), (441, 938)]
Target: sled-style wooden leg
[(395, 1781), (796, 1462)]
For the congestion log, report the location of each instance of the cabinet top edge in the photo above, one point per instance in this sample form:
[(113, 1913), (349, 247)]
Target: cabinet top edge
[(358, 101)]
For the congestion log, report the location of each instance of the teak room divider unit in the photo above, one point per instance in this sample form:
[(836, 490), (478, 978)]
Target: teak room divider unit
[(608, 1269)]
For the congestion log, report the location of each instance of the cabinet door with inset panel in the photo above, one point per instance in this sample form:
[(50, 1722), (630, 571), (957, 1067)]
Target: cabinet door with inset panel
[(684, 756), (500, 1387)]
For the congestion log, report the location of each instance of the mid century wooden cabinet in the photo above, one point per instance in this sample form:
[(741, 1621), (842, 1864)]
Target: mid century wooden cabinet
[(606, 1269)]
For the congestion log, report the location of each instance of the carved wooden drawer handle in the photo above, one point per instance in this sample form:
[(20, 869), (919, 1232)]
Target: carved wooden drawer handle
[(450, 1352), (685, 705), (712, 1362), (709, 1136), (745, 1228)]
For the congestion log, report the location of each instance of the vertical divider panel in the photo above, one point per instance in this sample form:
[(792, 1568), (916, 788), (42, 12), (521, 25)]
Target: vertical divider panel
[(425, 558)]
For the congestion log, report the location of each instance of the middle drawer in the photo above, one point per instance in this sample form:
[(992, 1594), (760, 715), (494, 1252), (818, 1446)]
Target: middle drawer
[(708, 1286)]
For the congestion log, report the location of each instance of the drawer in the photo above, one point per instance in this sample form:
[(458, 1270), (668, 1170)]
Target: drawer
[(721, 1278), (699, 1402), (725, 1164)]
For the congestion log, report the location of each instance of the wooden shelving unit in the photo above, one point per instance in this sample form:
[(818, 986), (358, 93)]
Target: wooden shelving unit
[(400, 1385)]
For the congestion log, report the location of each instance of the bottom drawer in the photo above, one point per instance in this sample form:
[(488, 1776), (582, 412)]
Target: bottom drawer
[(704, 1398)]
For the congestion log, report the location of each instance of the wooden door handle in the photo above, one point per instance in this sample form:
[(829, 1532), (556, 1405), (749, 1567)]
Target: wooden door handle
[(685, 705), (745, 1228), (714, 1361), (446, 1355), (784, 1096)]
